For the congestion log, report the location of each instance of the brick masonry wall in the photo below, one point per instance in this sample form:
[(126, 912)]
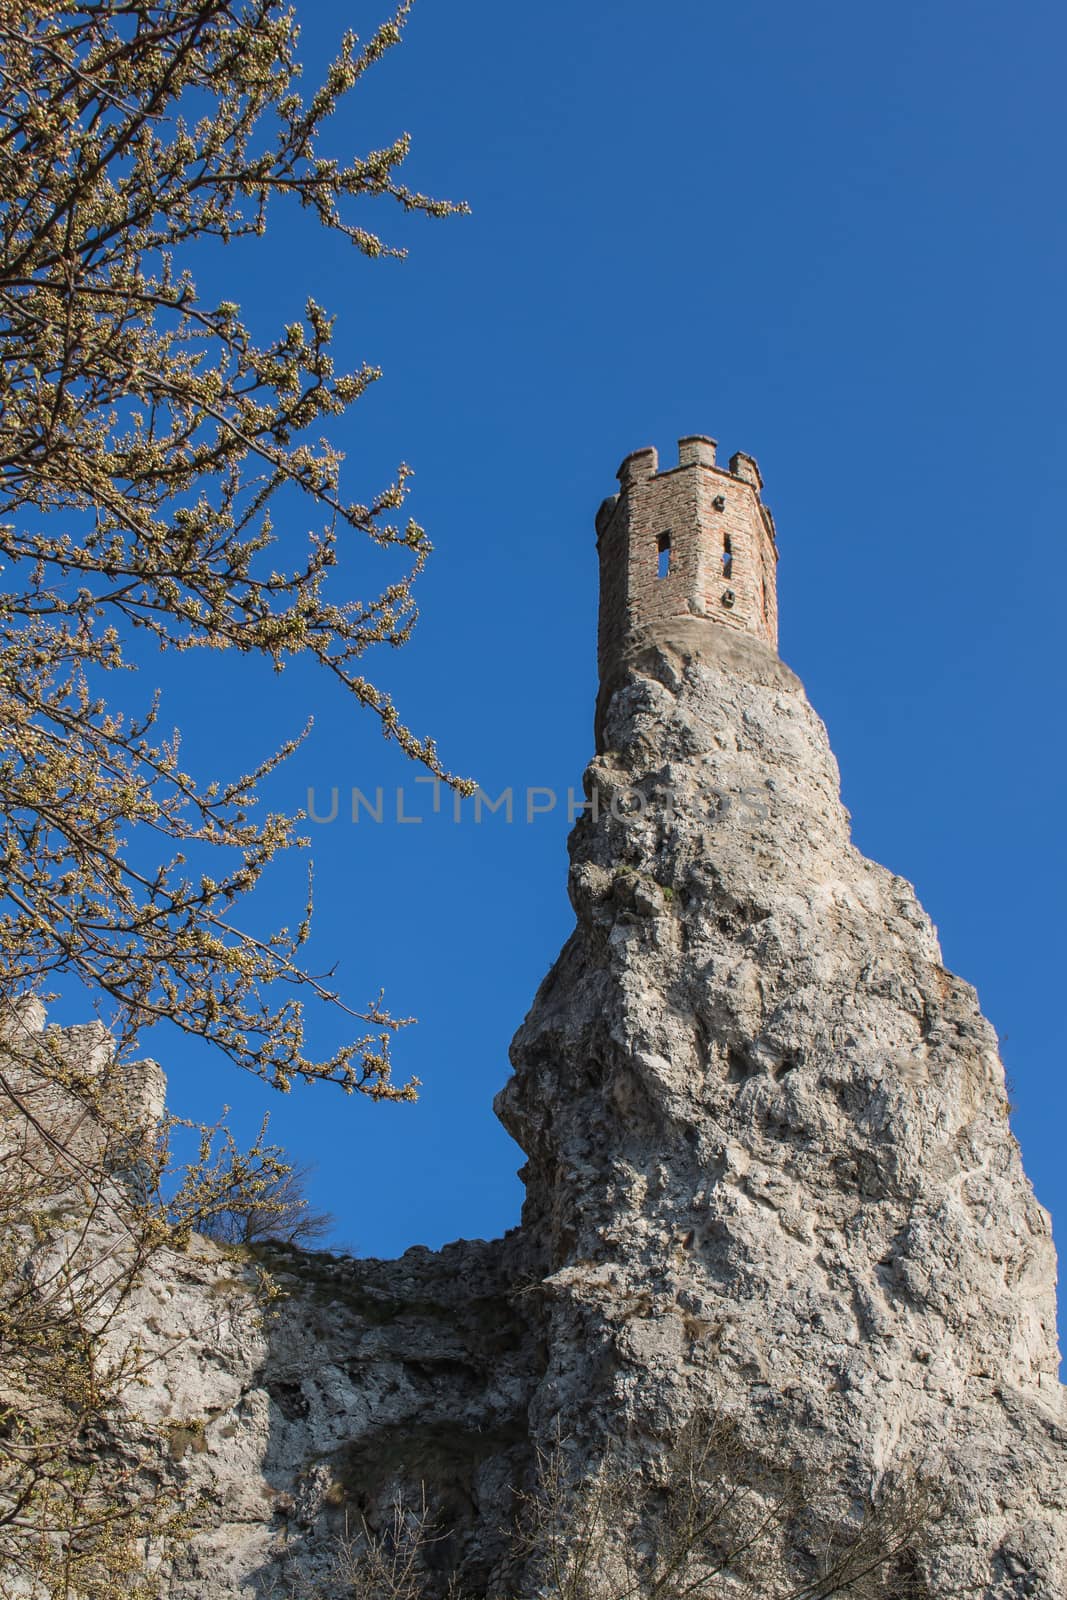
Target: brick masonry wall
[(680, 503)]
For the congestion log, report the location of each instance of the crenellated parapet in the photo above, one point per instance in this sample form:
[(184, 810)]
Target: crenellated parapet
[(694, 540)]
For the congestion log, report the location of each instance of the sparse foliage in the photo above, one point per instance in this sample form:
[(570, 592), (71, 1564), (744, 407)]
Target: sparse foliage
[(709, 1524), (391, 1564), (701, 1523), (279, 1213), (160, 470), (86, 1206), (156, 466)]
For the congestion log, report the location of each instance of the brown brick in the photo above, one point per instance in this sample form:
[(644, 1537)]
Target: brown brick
[(704, 513)]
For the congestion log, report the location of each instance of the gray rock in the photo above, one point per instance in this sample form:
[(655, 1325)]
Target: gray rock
[(770, 1175), (770, 1166)]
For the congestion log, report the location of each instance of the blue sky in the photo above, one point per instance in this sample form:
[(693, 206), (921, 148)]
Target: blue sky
[(831, 235)]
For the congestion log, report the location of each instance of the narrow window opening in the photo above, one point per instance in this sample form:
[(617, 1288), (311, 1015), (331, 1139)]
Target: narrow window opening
[(663, 549), (727, 557)]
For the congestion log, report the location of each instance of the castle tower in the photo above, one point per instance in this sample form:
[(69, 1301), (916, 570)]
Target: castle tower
[(693, 540)]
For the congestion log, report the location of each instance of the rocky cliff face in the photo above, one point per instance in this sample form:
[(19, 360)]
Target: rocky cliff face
[(770, 1165), (362, 1383), (770, 1176)]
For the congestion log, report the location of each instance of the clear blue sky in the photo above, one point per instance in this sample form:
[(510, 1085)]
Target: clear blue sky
[(831, 235)]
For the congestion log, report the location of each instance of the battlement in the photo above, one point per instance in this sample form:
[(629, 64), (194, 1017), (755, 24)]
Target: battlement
[(694, 539)]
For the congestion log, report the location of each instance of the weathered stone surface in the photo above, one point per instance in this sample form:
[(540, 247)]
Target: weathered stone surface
[(770, 1162), (770, 1172), (363, 1380)]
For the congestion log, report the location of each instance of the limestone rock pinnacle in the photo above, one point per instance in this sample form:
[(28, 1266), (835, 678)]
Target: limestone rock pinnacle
[(770, 1165), (770, 1174)]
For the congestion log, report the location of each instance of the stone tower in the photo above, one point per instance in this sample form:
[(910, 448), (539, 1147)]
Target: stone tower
[(771, 1173), (770, 1180), (693, 540)]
